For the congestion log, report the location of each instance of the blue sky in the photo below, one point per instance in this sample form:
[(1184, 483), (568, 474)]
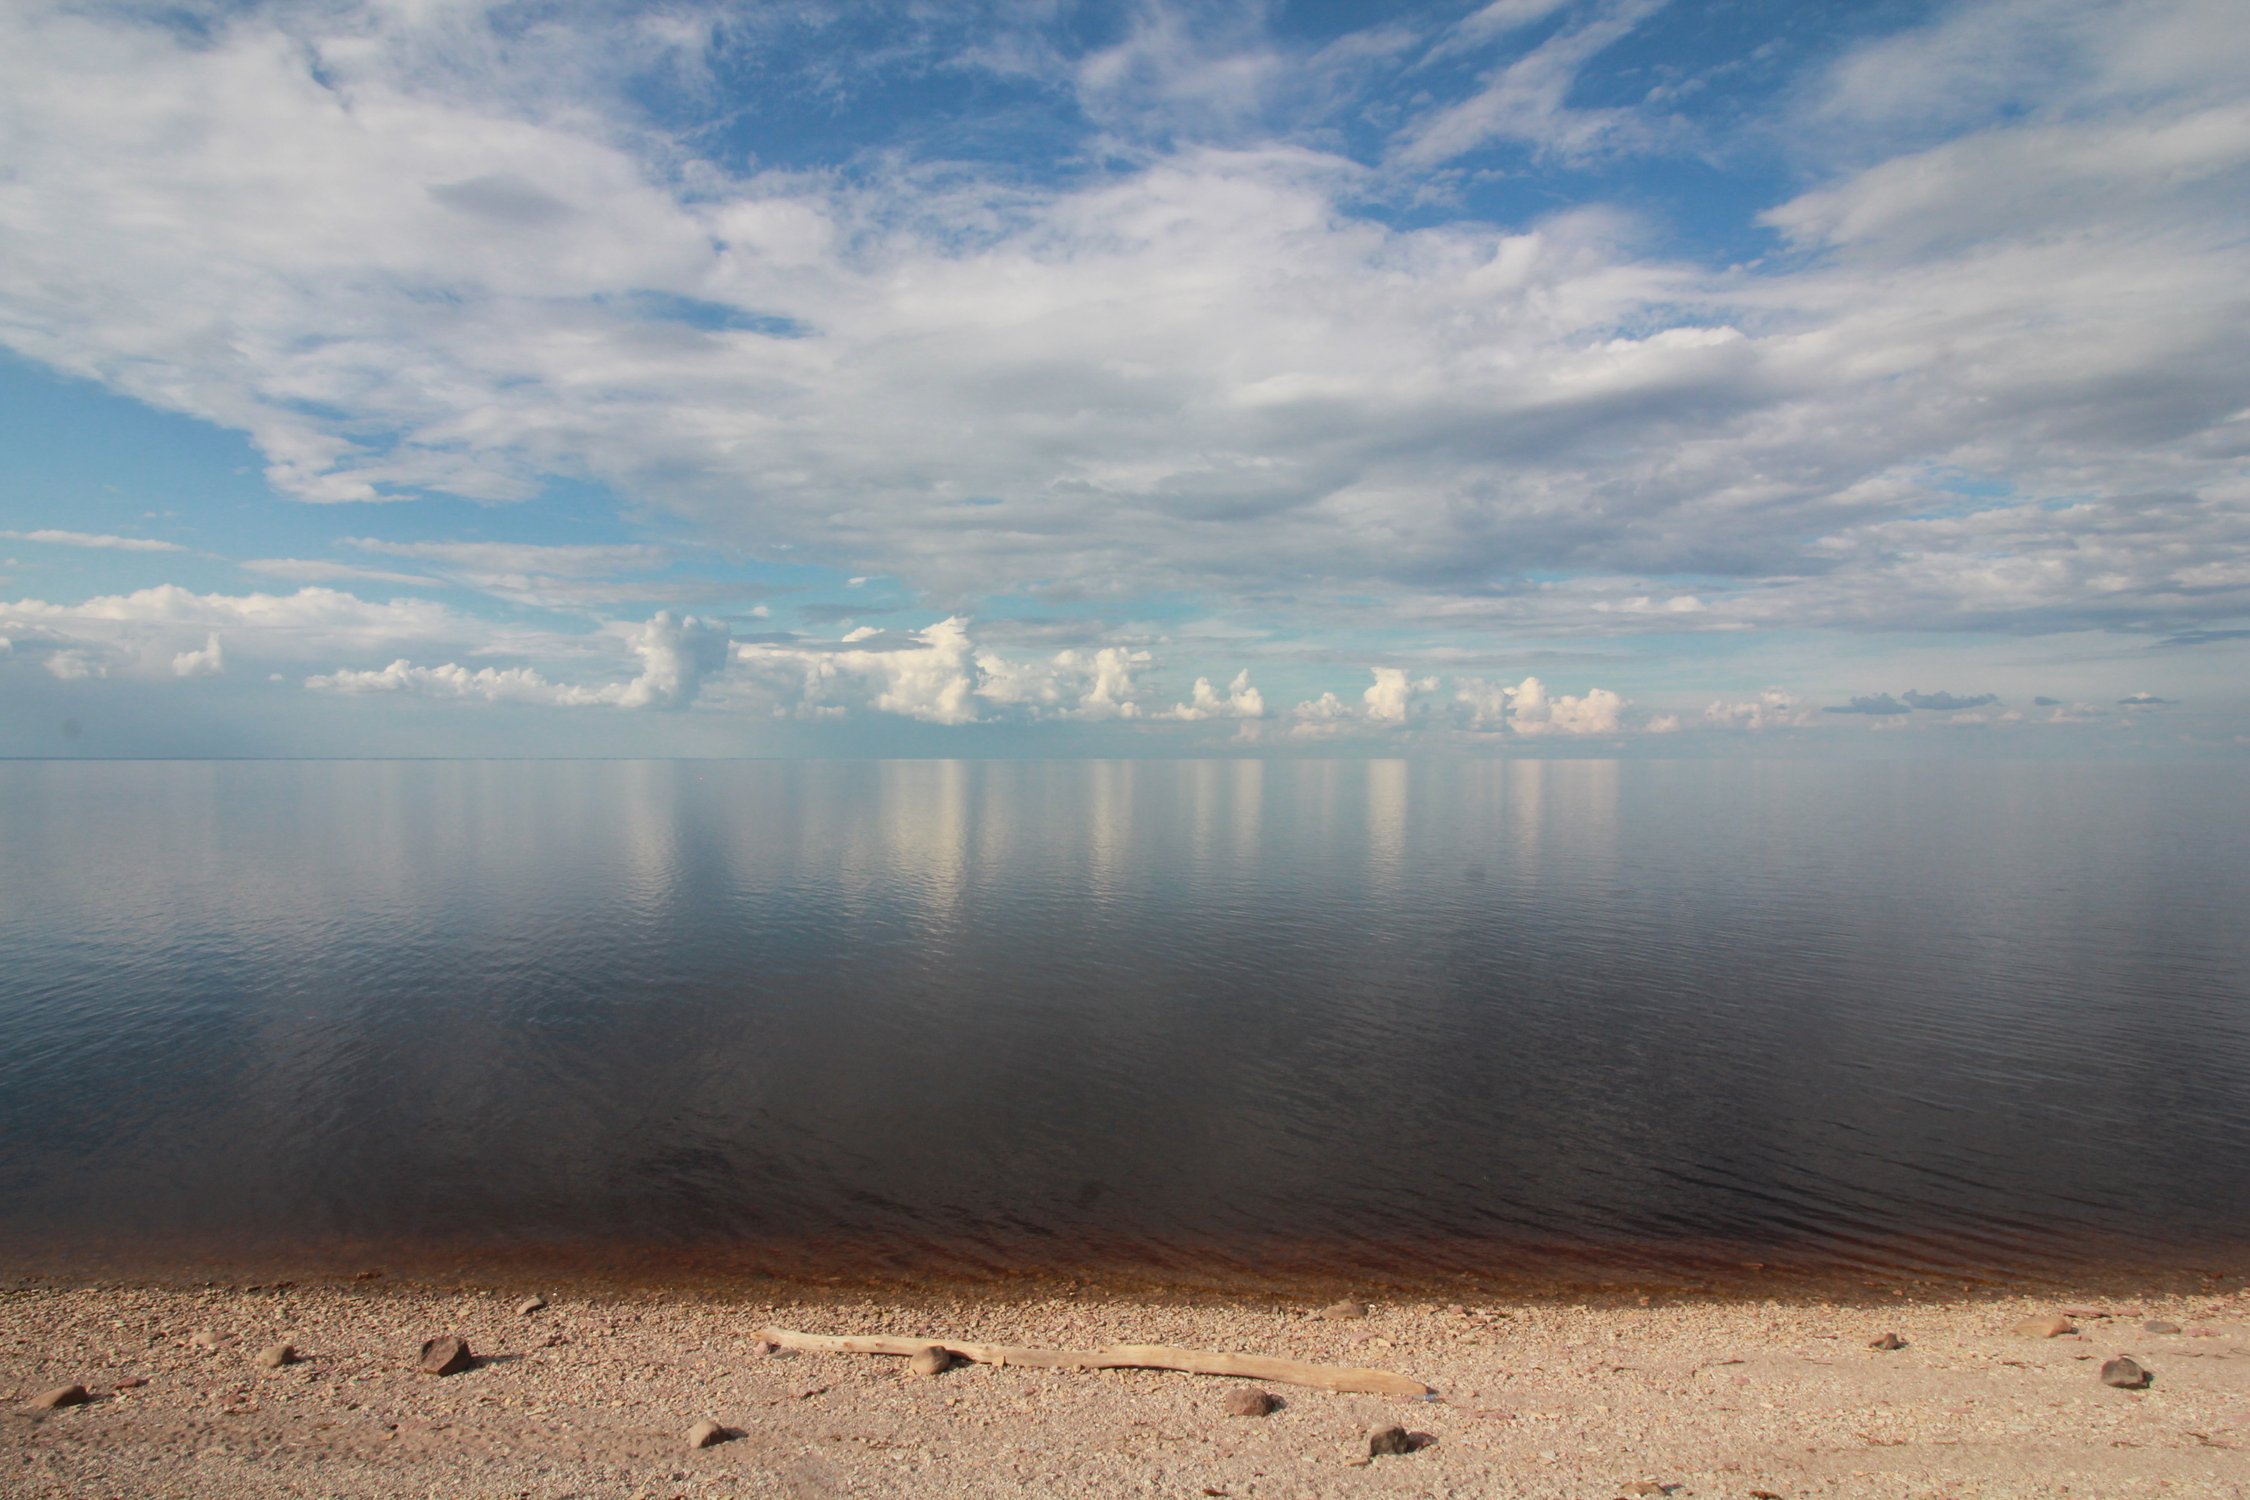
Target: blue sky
[(1545, 376)]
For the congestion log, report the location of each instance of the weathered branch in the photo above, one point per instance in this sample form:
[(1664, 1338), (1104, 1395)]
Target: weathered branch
[(1120, 1357)]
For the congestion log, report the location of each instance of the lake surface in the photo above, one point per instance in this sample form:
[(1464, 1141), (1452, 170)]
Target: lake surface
[(1393, 1020)]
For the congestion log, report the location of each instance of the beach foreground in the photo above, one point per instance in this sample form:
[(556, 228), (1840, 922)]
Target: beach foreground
[(595, 1393)]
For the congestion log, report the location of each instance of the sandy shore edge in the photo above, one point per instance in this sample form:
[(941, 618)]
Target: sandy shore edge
[(594, 1394)]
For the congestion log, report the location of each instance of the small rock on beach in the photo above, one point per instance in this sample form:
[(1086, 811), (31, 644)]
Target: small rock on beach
[(1251, 1402), (274, 1356), (529, 1305), (2046, 1328), (705, 1434), (2159, 1325), (2125, 1373), (1344, 1310), (932, 1360), (446, 1356), (60, 1397), (1383, 1441), (1888, 1341)]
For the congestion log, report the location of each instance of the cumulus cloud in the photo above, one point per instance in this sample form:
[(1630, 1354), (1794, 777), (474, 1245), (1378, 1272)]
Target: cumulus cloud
[(210, 661), (1390, 697), (1529, 708), (676, 655), (1241, 701), (1774, 708)]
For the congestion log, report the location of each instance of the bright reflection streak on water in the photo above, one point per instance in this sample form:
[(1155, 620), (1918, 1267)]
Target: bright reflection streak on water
[(958, 1017)]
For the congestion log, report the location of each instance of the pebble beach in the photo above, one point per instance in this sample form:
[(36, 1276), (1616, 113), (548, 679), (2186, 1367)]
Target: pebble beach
[(316, 1389)]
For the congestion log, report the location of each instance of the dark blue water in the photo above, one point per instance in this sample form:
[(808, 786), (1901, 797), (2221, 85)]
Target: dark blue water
[(1403, 1019)]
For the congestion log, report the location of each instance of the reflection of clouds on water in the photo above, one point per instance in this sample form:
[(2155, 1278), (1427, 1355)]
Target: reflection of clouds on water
[(1386, 824), (1109, 826), (924, 821), (1524, 814), (647, 831), (1246, 791)]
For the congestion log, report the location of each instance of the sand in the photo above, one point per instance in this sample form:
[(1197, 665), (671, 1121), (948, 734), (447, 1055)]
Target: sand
[(595, 1393)]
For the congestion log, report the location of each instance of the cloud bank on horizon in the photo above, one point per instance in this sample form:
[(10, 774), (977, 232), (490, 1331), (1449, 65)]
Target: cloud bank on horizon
[(1587, 372)]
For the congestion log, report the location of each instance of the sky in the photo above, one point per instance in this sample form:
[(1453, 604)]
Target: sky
[(450, 377)]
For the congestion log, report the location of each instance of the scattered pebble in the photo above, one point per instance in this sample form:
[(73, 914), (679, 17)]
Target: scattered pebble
[(2125, 1373), (2158, 1325), (1340, 1311), (706, 1434), (132, 1382), (448, 1355), (1888, 1341), (1382, 1441), (61, 1396), (1251, 1402), (2046, 1328), (530, 1305), (930, 1360), (204, 1339), (274, 1356)]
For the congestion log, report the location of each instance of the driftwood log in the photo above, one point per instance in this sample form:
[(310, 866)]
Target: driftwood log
[(1350, 1378)]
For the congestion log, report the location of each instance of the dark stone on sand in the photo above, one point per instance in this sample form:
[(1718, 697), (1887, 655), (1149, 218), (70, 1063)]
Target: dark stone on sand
[(1888, 1341), (2159, 1325), (1346, 1309), (274, 1356), (2125, 1373), (446, 1356), (1250, 1402), (706, 1434), (1383, 1441), (929, 1360), (60, 1397)]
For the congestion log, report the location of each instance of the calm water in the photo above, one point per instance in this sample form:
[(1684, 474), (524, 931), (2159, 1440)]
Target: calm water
[(1395, 1019)]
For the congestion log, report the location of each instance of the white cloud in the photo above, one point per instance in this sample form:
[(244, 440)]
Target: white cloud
[(1241, 701), (1194, 368), (76, 666), (1390, 697), (1774, 708), (676, 655), (932, 675), (209, 661), (1528, 708), (1527, 101), (314, 570), (93, 539), (1109, 695), (482, 684), (148, 632)]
